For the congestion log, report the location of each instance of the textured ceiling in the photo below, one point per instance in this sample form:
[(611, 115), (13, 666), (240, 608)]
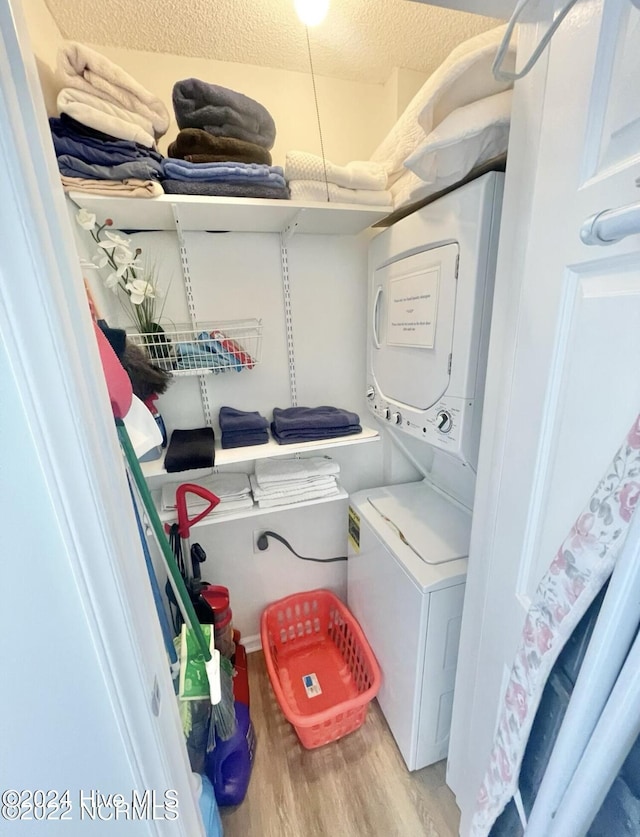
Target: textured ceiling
[(360, 40)]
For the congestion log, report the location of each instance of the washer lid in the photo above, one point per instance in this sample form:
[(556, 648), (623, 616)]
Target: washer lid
[(431, 526)]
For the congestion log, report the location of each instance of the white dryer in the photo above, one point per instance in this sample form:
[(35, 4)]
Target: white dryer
[(430, 298)]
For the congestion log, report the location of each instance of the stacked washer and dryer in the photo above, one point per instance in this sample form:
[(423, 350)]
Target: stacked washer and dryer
[(430, 299)]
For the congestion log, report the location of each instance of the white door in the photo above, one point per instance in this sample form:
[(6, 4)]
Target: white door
[(564, 382)]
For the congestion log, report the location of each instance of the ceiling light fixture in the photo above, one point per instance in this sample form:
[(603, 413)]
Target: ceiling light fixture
[(311, 12)]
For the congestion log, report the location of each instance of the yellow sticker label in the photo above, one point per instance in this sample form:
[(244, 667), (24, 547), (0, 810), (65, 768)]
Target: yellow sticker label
[(354, 528)]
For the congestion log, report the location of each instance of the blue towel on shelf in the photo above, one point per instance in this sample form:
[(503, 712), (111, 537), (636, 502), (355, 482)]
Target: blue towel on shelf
[(193, 355), (90, 148), (237, 421), (224, 172), (292, 437), (226, 190), (246, 438), (141, 169), (313, 418)]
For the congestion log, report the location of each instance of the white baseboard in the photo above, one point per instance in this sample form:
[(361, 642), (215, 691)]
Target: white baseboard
[(252, 643)]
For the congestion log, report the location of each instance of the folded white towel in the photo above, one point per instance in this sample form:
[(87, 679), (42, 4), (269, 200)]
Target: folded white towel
[(91, 72), (298, 498), (360, 174), (314, 190), (105, 116), (225, 486), (290, 489), (269, 471)]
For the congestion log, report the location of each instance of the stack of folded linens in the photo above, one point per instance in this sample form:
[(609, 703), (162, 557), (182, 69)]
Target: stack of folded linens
[(223, 147), (240, 428), (279, 482), (309, 424), (311, 178), (105, 140), (233, 491)]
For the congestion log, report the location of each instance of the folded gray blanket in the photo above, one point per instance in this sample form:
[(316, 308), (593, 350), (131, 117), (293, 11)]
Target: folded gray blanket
[(222, 112), (225, 190)]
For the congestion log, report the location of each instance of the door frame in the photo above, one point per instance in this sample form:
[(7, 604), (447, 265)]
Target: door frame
[(62, 387)]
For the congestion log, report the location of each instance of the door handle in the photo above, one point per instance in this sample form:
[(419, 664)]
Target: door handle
[(611, 225), (374, 323)]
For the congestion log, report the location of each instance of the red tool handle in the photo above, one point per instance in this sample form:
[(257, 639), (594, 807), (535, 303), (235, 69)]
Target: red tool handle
[(184, 521)]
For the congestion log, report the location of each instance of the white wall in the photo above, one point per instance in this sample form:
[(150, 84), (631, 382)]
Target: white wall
[(352, 124)]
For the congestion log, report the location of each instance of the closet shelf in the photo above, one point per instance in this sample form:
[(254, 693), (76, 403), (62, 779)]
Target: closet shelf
[(232, 456), (241, 514), (198, 213)]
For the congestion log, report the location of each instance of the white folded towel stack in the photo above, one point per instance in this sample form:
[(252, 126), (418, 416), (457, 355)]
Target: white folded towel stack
[(311, 178), (100, 94), (279, 482), (234, 491)]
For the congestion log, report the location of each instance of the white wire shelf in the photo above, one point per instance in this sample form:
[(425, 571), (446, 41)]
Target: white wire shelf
[(208, 348)]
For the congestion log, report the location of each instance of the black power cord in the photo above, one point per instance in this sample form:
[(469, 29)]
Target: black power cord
[(263, 543)]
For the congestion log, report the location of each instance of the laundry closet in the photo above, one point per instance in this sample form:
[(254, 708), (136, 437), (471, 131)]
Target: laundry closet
[(310, 301)]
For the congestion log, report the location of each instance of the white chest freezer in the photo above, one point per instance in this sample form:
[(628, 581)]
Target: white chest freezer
[(408, 546)]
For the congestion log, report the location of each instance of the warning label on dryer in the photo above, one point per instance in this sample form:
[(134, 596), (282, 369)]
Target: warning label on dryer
[(354, 528)]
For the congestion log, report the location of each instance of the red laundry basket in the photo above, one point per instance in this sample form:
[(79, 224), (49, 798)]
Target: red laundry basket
[(322, 670)]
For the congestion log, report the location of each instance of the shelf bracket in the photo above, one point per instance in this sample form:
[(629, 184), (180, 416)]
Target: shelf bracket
[(288, 318), (188, 289), (290, 230)]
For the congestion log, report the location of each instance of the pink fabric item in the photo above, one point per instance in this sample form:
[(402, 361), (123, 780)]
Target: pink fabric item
[(118, 382), (575, 576)]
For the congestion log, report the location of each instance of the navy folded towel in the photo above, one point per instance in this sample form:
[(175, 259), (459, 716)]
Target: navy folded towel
[(312, 418), (310, 424), (226, 190), (246, 438), (236, 421)]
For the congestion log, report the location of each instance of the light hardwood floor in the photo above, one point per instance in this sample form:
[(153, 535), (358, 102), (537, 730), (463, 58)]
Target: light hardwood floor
[(355, 787)]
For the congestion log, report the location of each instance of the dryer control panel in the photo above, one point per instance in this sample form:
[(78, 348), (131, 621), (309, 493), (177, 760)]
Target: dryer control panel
[(444, 425)]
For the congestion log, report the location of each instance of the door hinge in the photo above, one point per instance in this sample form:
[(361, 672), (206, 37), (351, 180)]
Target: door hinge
[(449, 369)]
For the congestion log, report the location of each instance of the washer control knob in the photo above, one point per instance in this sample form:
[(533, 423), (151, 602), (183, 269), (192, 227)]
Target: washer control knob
[(444, 422), (386, 412), (396, 418), (370, 393)]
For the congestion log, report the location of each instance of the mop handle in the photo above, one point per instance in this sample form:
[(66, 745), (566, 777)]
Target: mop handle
[(184, 602)]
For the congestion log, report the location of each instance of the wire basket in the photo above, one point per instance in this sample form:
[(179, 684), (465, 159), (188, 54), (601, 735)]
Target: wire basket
[(322, 670), (204, 349)]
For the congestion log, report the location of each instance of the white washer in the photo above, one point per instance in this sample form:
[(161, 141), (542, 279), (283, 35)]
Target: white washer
[(409, 609), (430, 298)]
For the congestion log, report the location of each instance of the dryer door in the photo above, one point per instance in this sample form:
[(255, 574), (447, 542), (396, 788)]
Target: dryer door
[(413, 314)]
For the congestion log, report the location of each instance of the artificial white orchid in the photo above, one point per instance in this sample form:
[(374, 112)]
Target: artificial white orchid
[(130, 278), (139, 290), (86, 219)]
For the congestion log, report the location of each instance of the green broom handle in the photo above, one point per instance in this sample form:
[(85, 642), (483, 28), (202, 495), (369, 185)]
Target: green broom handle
[(187, 610)]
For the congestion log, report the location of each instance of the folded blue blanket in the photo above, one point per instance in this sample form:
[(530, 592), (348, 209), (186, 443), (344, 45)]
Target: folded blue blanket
[(224, 172), (235, 421), (91, 149), (312, 418), (291, 437), (226, 190), (222, 112), (142, 169), (246, 439)]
